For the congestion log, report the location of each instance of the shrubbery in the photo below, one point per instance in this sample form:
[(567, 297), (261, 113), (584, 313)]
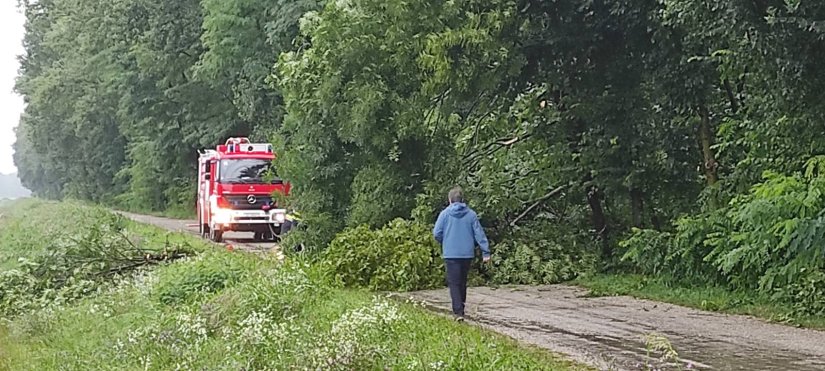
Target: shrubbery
[(769, 240), (401, 256), (207, 273)]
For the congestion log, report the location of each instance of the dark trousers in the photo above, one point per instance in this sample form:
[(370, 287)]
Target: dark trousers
[(457, 271)]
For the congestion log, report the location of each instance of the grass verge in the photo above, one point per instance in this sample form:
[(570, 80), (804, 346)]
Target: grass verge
[(219, 310), (716, 299), (30, 228)]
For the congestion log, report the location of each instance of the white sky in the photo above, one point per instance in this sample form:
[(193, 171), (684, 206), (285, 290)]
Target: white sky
[(11, 105)]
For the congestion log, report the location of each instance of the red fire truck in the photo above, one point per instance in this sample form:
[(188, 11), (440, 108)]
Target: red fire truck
[(236, 184)]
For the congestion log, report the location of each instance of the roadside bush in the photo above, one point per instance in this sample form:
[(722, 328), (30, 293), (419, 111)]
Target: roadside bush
[(678, 255), (401, 256), (805, 294), (207, 273), (769, 241), (647, 250)]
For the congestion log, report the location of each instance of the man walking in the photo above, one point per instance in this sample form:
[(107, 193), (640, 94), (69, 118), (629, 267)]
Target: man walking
[(459, 231)]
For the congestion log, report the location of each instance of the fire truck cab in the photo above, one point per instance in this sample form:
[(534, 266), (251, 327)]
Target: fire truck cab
[(236, 184)]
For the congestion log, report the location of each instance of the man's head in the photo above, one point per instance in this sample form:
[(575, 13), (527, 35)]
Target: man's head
[(455, 195)]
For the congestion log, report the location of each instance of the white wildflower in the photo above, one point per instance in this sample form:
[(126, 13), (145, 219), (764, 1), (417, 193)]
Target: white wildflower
[(145, 281), (192, 328), (255, 328), (437, 365), (146, 362), (350, 338)]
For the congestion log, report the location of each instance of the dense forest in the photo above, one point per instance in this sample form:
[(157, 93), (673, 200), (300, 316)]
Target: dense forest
[(679, 138)]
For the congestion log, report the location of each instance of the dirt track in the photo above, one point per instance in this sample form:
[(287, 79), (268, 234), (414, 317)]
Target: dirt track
[(609, 332)]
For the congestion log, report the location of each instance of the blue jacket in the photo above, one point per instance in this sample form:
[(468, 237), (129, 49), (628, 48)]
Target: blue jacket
[(458, 231)]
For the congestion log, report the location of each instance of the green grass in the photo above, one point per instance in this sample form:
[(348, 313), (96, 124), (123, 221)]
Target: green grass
[(716, 299), (223, 310), (29, 227)]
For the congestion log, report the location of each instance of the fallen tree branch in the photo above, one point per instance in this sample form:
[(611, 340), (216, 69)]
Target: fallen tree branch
[(536, 203), (147, 260)]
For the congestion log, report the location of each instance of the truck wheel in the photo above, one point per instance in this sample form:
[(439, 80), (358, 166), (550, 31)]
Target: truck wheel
[(216, 235), (274, 233), (203, 228)]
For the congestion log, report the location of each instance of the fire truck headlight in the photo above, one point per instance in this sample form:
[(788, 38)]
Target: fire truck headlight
[(222, 216), (278, 218)]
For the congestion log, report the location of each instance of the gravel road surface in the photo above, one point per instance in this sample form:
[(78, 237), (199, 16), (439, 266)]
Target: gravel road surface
[(238, 240), (609, 332)]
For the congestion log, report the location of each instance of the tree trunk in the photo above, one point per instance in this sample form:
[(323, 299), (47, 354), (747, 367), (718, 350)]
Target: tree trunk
[(594, 199), (654, 220), (706, 140), (734, 103), (637, 207)]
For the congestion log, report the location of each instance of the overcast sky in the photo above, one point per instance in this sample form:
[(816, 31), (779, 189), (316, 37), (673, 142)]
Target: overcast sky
[(11, 105)]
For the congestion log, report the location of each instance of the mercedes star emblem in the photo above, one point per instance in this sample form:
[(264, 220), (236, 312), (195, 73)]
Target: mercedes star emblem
[(251, 199)]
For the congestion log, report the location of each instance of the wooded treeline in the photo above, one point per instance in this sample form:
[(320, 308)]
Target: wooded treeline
[(568, 122)]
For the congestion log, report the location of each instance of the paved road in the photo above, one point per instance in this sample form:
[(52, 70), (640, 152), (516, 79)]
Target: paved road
[(609, 332), (238, 240)]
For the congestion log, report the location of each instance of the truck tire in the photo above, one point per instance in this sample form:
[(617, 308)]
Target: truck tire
[(203, 229), (274, 233), (216, 235)]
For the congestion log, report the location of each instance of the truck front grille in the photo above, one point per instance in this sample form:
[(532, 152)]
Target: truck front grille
[(250, 218), (240, 202)]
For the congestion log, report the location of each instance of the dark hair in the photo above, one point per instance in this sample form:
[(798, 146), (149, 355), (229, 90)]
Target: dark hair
[(456, 195)]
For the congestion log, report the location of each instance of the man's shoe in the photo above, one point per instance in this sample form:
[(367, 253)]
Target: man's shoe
[(459, 318)]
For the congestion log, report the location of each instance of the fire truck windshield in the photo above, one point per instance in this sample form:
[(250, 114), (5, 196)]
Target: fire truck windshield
[(247, 170)]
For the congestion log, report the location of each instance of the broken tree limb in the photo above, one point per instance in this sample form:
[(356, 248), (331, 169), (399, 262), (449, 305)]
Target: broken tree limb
[(536, 203)]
